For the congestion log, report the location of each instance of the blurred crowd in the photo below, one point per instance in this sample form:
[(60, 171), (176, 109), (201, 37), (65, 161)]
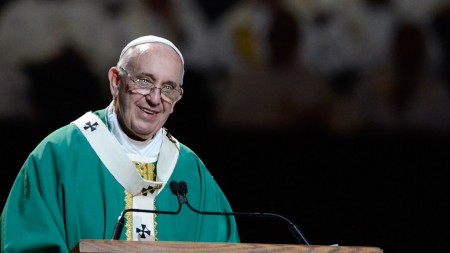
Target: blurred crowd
[(343, 66)]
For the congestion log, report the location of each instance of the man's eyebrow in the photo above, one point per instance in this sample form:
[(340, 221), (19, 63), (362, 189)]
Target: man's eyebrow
[(151, 76), (145, 74), (174, 84)]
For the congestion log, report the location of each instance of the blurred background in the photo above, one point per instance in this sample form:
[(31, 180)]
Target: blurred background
[(335, 114)]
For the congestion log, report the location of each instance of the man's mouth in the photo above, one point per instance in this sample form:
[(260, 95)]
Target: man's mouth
[(148, 111)]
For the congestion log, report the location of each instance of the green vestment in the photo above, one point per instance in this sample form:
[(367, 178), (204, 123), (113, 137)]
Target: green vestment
[(64, 193)]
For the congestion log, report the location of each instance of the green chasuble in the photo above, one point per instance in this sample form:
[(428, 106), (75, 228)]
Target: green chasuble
[(64, 193)]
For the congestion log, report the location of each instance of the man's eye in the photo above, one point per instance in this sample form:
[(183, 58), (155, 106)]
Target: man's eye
[(168, 87), (145, 81)]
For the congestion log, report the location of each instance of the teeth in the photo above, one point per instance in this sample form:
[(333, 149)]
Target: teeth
[(147, 111)]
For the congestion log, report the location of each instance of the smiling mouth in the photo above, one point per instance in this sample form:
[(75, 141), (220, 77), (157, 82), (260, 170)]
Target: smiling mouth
[(147, 111)]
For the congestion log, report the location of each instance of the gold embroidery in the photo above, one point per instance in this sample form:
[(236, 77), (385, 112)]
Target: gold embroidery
[(148, 172), (170, 137), (154, 222), (128, 216)]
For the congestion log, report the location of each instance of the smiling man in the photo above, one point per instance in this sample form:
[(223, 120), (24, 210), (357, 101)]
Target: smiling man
[(79, 179)]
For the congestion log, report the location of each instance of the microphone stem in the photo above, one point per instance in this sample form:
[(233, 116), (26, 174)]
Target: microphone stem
[(118, 228), (294, 228)]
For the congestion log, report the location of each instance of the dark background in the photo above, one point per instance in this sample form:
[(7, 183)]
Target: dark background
[(373, 187)]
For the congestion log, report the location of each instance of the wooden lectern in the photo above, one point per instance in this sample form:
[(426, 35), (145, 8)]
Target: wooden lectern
[(94, 246)]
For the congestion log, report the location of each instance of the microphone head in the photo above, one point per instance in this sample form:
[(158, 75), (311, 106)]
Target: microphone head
[(175, 187), (183, 188)]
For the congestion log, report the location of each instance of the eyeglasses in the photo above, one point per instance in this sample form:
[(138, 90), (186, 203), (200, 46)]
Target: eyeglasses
[(146, 87)]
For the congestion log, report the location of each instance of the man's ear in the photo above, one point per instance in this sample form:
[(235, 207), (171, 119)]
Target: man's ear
[(181, 92), (114, 78), (173, 103)]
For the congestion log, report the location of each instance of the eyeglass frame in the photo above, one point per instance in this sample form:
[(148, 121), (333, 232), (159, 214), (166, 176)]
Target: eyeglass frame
[(152, 87)]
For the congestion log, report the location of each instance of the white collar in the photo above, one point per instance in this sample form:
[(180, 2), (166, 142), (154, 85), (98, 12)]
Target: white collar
[(148, 148)]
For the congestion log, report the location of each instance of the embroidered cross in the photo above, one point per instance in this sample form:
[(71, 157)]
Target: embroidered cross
[(143, 231), (93, 127), (150, 189)]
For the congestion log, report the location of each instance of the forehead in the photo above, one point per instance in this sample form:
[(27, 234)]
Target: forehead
[(155, 58), (151, 51)]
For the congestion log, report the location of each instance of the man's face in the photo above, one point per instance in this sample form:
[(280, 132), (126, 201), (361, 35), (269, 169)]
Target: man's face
[(141, 116)]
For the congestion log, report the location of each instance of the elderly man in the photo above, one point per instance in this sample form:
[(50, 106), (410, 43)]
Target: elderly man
[(79, 179)]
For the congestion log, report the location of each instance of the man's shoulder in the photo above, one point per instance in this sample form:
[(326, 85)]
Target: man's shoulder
[(185, 150), (101, 114), (187, 154), (68, 134), (61, 136)]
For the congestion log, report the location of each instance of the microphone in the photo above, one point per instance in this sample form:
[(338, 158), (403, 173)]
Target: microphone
[(180, 189), (121, 220)]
